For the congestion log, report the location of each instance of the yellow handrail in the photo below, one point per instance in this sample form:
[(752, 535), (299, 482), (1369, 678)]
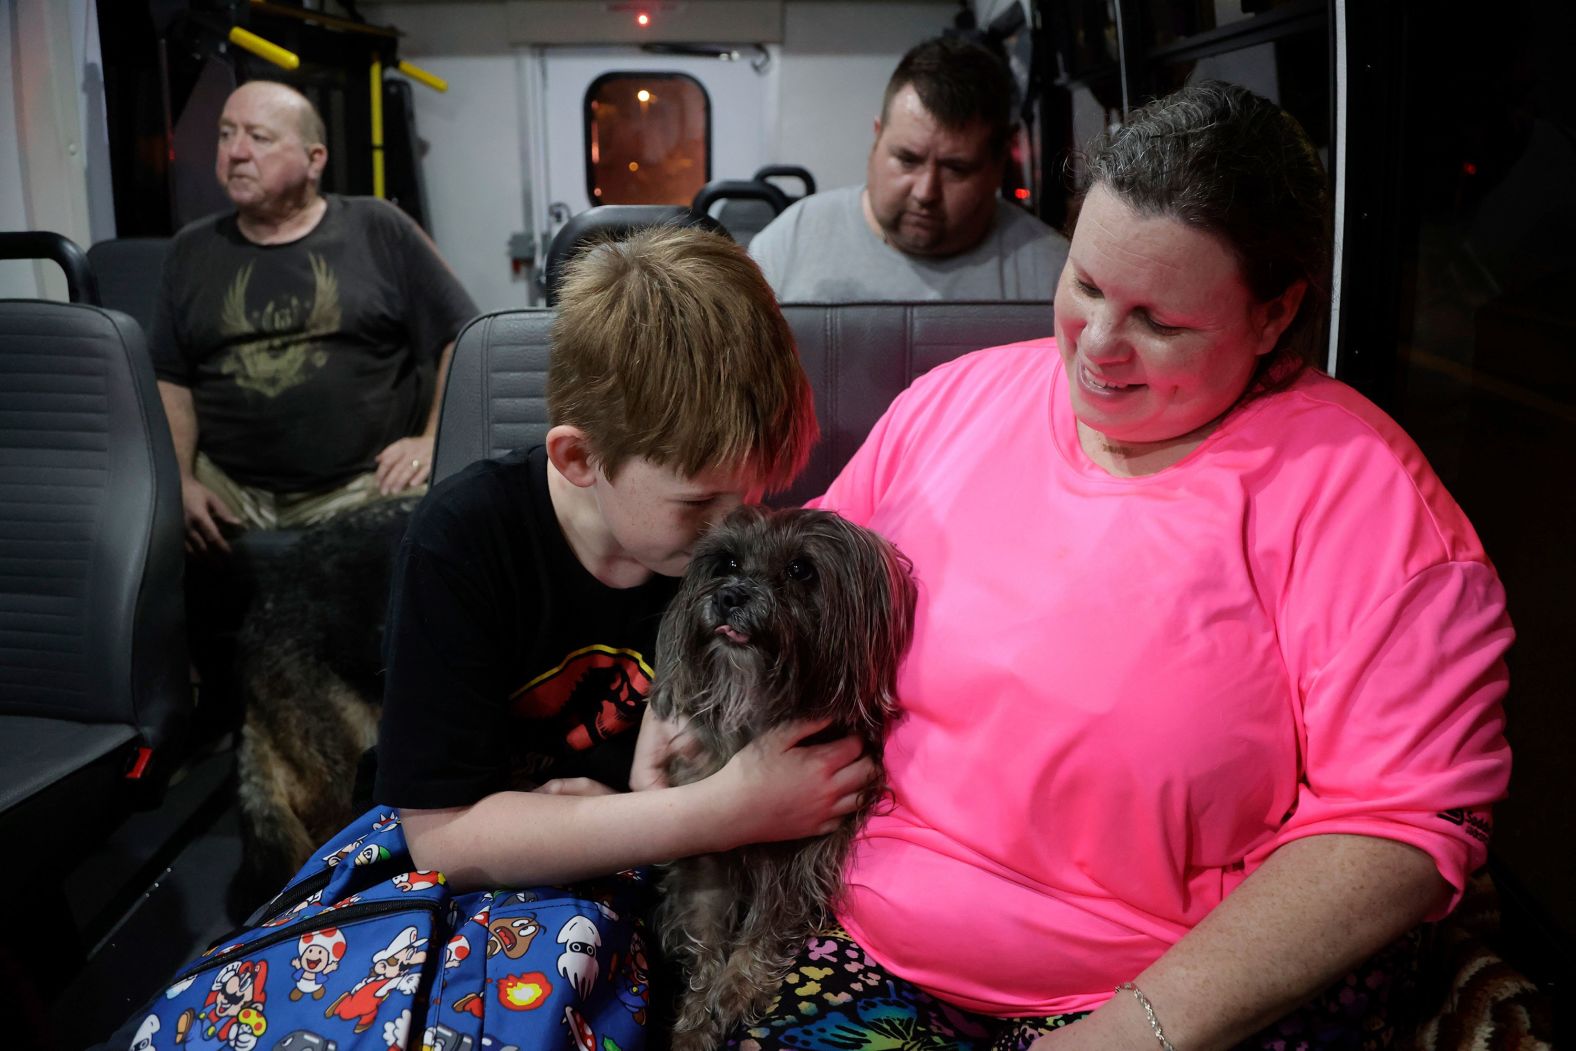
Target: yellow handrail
[(414, 72), (377, 126), (264, 48)]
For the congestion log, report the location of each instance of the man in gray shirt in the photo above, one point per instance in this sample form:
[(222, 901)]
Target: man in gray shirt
[(929, 222)]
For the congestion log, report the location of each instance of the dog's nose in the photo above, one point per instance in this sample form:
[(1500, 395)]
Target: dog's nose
[(732, 597)]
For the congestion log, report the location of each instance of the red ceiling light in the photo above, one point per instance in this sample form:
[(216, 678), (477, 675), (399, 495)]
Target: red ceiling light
[(642, 19)]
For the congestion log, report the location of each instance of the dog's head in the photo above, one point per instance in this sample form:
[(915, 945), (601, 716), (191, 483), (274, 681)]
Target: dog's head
[(785, 615)]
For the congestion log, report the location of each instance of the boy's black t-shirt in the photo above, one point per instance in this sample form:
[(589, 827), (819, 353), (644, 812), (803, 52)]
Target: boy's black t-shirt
[(508, 662)]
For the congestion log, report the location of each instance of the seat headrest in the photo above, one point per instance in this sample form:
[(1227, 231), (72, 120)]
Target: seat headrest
[(612, 222)]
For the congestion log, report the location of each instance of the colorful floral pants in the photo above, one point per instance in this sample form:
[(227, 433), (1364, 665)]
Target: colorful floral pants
[(836, 998)]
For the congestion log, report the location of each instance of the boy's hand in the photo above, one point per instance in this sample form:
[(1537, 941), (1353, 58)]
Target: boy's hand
[(574, 786), (775, 789), (659, 740)]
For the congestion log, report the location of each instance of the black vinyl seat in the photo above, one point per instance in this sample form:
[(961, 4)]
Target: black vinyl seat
[(612, 221), (128, 270), (787, 171), (93, 664), (746, 212), (747, 205), (95, 696)]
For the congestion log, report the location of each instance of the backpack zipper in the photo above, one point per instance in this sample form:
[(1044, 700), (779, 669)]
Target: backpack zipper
[(342, 918)]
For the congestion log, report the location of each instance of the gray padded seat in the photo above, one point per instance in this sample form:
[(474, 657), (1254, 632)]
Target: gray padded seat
[(495, 398), (744, 219), (858, 357), (92, 644), (128, 270)]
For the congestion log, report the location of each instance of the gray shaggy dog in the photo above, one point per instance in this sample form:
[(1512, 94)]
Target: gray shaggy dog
[(311, 669), (782, 615)]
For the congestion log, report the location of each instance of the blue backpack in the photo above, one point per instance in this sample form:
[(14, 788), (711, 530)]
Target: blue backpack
[(362, 950)]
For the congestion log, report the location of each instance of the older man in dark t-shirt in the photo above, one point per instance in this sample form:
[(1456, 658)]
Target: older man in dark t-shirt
[(300, 341)]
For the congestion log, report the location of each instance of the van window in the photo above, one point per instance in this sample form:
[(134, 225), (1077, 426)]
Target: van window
[(648, 138)]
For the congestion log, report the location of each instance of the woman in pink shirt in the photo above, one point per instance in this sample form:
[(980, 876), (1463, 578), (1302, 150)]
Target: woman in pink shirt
[(1203, 708)]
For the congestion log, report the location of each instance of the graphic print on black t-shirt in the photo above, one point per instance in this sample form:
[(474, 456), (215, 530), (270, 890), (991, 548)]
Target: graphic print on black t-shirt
[(280, 345), (595, 694)]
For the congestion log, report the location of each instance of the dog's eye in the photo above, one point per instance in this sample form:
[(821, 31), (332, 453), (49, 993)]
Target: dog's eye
[(726, 564), (801, 569)]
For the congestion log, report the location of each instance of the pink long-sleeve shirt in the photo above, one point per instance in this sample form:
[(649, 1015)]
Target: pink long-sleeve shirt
[(1125, 693)]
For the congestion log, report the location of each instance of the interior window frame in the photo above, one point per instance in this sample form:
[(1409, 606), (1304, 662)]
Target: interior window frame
[(587, 120)]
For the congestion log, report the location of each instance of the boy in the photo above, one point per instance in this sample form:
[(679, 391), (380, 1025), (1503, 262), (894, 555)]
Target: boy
[(528, 590)]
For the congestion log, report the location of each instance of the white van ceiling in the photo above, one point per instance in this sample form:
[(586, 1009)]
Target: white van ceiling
[(645, 21)]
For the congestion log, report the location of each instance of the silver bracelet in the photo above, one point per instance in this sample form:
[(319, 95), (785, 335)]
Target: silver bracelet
[(1149, 1013)]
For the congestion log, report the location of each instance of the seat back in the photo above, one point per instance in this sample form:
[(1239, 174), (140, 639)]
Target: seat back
[(45, 244), (128, 270), (858, 357), (747, 205), (91, 610), (744, 217), (495, 398), (787, 171), (611, 222)]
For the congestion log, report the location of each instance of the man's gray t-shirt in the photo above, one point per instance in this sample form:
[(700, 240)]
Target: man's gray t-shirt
[(822, 250)]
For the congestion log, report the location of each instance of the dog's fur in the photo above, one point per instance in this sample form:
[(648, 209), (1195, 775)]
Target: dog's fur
[(782, 616), (310, 655)]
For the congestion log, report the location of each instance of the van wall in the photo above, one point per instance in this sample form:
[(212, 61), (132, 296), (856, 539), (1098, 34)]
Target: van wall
[(16, 279), (54, 147), (836, 58), (827, 77), (472, 164)]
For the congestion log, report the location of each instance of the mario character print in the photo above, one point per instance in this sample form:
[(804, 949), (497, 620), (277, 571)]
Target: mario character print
[(456, 951), (294, 912), (143, 1040), (633, 984), (581, 940), (510, 936), (334, 857), (394, 969), (317, 956), (420, 879), (232, 1014)]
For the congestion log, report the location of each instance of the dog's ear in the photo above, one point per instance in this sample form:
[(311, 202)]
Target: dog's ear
[(898, 630), (876, 625)]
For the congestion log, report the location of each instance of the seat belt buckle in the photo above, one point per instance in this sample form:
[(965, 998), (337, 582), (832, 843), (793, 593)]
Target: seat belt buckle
[(139, 763)]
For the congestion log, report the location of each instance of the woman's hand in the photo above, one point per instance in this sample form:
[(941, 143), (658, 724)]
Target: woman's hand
[(1315, 909), (1116, 1024), (775, 789)]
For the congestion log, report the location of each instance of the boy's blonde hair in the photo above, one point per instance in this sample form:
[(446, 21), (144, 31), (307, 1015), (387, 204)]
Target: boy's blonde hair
[(669, 345)]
